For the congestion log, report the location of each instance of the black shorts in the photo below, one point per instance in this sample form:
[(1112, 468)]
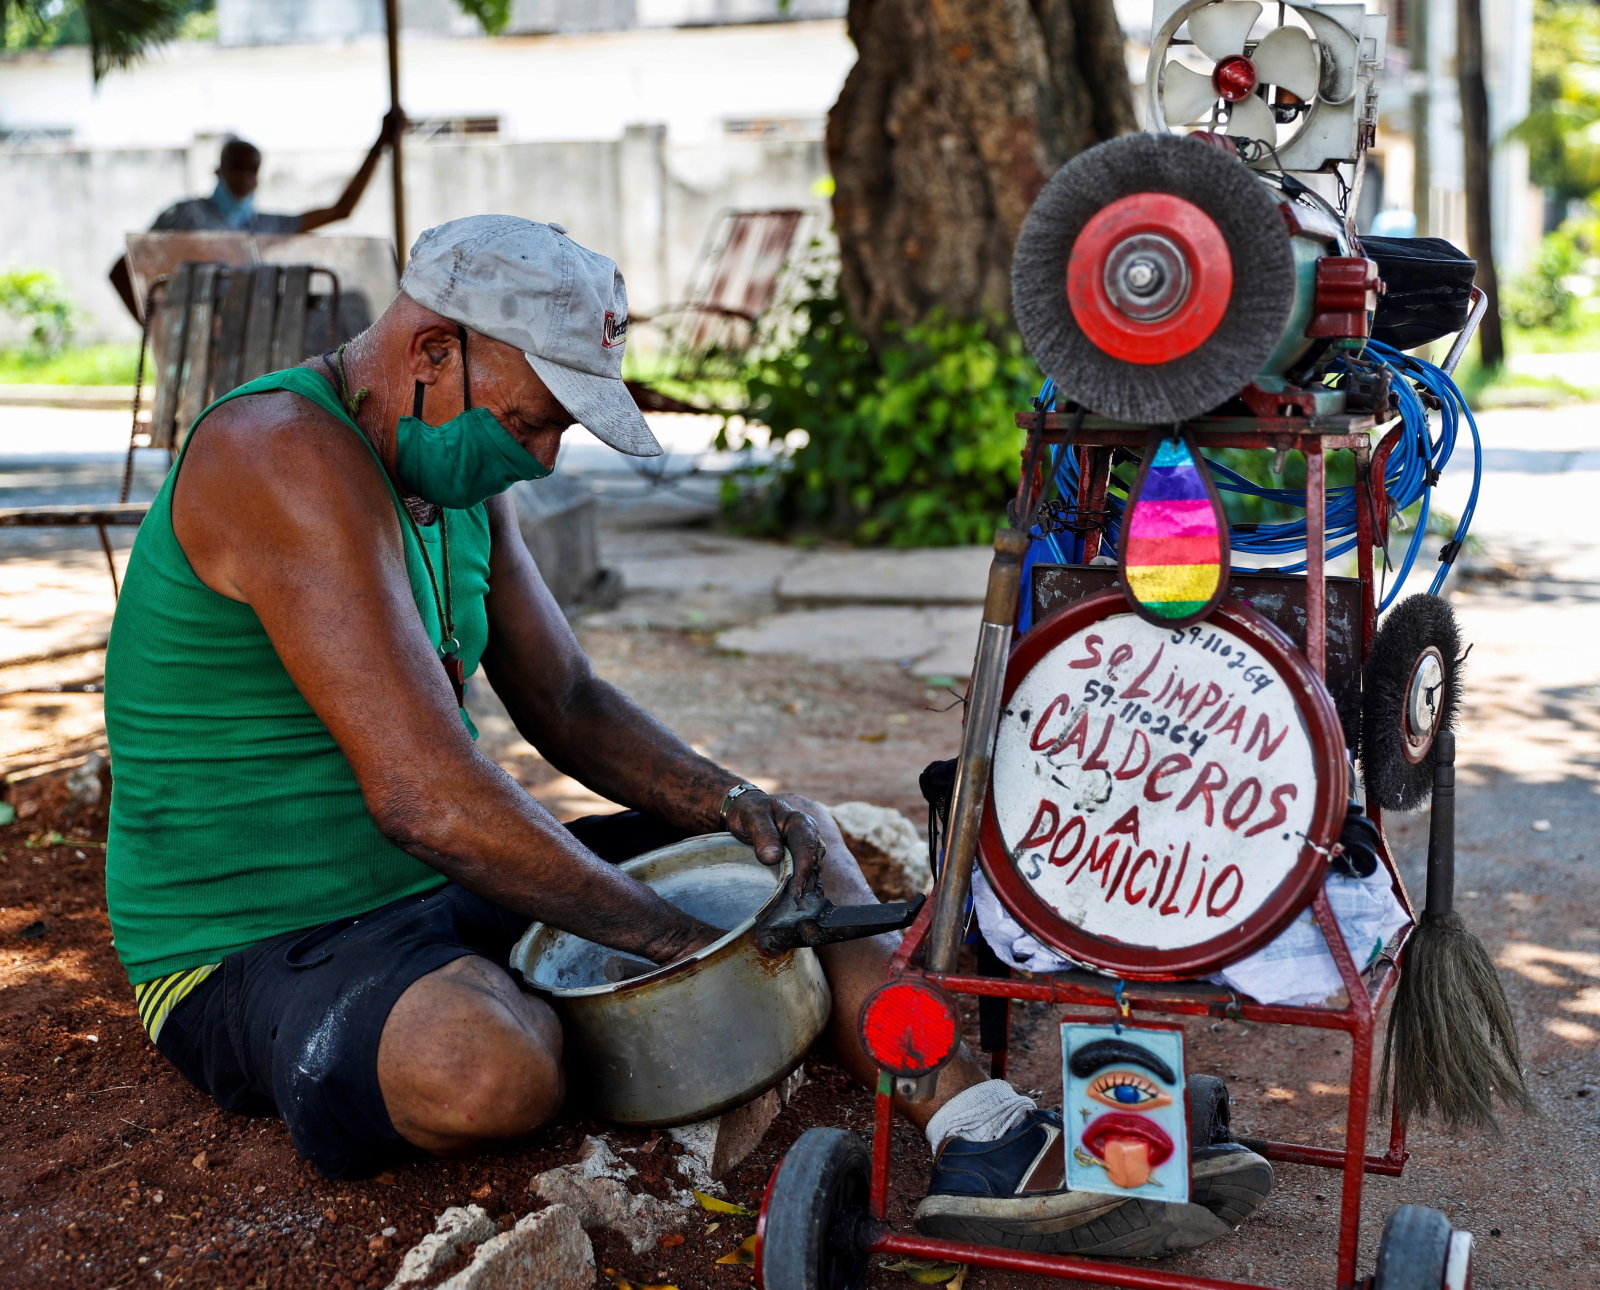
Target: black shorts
[(290, 1027)]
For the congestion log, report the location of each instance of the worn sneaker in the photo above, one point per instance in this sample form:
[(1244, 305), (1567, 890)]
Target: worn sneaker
[(1011, 1192)]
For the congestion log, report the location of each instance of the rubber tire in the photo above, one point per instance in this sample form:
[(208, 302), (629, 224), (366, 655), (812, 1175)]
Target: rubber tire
[(818, 1198), (1413, 1250), (1210, 1120)]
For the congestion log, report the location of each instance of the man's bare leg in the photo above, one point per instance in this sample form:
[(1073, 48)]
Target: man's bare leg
[(466, 1059), (856, 968)]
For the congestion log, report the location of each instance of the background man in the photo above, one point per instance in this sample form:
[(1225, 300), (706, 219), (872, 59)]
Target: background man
[(231, 207)]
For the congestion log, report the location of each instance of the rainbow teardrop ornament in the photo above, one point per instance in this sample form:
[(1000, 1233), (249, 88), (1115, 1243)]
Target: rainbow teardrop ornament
[(1174, 554)]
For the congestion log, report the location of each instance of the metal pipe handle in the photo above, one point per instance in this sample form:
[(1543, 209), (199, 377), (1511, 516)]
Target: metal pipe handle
[(977, 747)]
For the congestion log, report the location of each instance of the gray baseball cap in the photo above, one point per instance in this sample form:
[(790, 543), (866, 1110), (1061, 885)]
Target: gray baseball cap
[(562, 305)]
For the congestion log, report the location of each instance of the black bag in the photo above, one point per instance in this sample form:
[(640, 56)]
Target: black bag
[(1429, 289)]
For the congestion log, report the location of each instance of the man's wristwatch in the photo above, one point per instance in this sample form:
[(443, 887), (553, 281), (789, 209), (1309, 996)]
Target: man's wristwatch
[(738, 790)]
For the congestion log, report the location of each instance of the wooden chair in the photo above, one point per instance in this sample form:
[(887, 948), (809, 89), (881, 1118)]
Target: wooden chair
[(210, 328)]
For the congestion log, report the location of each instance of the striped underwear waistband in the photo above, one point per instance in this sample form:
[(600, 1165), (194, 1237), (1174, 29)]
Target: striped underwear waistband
[(156, 999)]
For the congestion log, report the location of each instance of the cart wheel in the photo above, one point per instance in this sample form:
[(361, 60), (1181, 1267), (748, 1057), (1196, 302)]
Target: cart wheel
[(1210, 1121), (1416, 1250), (816, 1204)]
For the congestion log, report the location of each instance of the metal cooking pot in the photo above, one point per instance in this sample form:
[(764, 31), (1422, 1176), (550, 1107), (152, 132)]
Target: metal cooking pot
[(675, 1044)]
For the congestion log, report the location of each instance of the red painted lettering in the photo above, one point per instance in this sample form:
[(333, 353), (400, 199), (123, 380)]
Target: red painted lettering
[(1212, 695), (1232, 814), (1128, 771), (1045, 822), (1234, 723), (1173, 764), (1280, 812), (1167, 906), (1128, 893), (1263, 731), (1076, 822), (1111, 891), (1092, 658), (1127, 823), (1119, 656), (1079, 735), (1058, 705), (1198, 889), (1095, 761), (1137, 690), (1215, 907), (1204, 786), (1096, 862), (1215, 716), (1181, 696), (1166, 866)]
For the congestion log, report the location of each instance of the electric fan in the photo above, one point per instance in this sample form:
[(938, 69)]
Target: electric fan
[(1323, 106)]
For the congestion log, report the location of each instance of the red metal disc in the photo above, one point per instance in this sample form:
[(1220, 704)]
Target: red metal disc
[(1263, 916), (1234, 78), (910, 1027), (1206, 259)]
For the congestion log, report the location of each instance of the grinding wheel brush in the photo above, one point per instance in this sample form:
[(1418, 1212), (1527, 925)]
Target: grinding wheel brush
[(1409, 693), (1153, 278), (1452, 1043)]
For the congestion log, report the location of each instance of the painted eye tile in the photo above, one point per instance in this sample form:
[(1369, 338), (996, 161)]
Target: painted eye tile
[(1127, 1091)]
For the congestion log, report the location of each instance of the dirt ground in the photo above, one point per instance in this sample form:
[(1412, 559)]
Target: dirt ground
[(116, 1173)]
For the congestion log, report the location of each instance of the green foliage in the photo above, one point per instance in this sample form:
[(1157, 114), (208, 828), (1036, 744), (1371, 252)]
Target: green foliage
[(81, 365), (1540, 299), (37, 300), (916, 446), (1562, 128), (492, 15), (120, 32)]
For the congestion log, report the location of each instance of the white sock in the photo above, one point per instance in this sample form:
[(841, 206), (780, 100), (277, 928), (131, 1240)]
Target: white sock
[(981, 1113)]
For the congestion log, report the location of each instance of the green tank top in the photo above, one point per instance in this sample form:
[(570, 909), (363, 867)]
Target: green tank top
[(234, 816)]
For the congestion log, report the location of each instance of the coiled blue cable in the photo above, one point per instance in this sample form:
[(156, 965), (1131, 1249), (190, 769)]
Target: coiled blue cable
[(1409, 475)]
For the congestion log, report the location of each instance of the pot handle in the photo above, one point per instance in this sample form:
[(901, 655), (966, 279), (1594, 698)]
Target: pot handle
[(813, 920)]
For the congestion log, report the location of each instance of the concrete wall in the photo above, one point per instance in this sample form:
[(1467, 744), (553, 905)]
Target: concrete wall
[(638, 199)]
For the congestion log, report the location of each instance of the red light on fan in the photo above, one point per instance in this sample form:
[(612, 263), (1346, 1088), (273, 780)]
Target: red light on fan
[(910, 1027), (1234, 78)]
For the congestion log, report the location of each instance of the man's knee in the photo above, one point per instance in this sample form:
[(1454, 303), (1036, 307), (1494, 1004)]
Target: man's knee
[(466, 1057)]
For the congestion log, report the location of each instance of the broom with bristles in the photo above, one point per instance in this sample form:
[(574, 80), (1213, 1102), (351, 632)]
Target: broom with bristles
[(1452, 1044)]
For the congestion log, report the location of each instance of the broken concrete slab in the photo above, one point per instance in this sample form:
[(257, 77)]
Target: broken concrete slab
[(453, 1229), (714, 1148), (593, 1189), (548, 1249), (926, 576), (927, 642)]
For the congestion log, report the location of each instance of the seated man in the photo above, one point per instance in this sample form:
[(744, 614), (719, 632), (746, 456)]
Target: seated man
[(314, 876), (231, 206)]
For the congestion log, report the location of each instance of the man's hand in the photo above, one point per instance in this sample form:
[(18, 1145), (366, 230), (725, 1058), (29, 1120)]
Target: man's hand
[(769, 824), (394, 123)]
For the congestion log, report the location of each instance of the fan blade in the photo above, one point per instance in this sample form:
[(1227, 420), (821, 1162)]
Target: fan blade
[(1186, 95), (1250, 118), (1285, 58), (1219, 30)]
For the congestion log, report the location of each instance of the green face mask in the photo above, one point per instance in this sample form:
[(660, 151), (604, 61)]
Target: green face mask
[(464, 461)]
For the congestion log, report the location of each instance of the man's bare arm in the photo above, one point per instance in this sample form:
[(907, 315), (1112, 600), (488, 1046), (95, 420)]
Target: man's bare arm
[(393, 123), (589, 729), (281, 507)]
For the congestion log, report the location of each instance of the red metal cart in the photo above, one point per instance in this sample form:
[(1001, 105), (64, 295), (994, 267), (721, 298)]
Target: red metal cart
[(825, 1211)]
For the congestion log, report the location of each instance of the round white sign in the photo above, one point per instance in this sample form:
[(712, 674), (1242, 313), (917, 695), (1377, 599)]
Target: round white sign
[(1153, 786)]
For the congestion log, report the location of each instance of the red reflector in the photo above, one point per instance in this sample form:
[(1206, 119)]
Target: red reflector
[(1234, 78), (910, 1027)]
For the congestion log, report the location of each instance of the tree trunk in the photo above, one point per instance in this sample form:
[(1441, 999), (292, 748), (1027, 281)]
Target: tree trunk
[(954, 116), (1476, 158)]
